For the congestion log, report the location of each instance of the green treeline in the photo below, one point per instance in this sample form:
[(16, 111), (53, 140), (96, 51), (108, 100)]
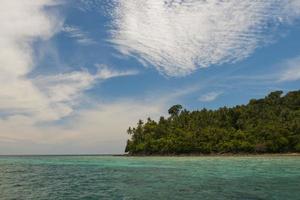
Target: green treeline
[(268, 125)]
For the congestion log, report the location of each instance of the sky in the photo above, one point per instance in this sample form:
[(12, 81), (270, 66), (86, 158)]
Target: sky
[(75, 75)]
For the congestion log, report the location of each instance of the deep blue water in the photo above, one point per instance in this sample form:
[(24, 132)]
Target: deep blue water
[(108, 177)]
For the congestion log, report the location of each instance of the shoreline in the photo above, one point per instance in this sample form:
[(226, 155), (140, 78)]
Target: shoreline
[(161, 155), (213, 155)]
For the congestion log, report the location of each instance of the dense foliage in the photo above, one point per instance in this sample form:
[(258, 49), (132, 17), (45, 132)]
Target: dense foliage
[(269, 125)]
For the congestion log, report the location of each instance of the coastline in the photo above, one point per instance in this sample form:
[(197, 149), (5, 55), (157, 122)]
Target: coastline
[(213, 155), (161, 155)]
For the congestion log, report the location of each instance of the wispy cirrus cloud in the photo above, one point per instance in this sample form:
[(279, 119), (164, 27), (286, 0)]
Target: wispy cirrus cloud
[(291, 70), (179, 36), (105, 73), (211, 96), (80, 36), (67, 86), (285, 71), (64, 91)]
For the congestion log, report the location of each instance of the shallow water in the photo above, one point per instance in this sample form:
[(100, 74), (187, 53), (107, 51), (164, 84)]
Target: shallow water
[(107, 177)]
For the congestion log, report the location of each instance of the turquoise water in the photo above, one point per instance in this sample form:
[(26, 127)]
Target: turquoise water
[(105, 177)]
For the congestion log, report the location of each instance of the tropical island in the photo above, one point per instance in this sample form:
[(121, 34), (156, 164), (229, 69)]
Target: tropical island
[(268, 125)]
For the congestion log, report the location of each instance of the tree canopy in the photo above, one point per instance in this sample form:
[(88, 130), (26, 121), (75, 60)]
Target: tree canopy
[(268, 125), (174, 110)]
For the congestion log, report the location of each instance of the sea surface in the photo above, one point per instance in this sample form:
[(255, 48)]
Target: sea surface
[(112, 177)]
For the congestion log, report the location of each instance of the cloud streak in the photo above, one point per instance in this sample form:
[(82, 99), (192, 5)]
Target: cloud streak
[(179, 36), (64, 91), (291, 70), (211, 96), (80, 36)]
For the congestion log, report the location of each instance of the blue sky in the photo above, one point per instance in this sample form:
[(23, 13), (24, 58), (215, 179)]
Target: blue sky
[(76, 74)]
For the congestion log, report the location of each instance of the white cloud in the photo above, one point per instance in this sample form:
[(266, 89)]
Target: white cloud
[(22, 23), (292, 9), (43, 98), (291, 70), (98, 130), (26, 104), (105, 73), (179, 36), (52, 97), (211, 96), (80, 36), (67, 86)]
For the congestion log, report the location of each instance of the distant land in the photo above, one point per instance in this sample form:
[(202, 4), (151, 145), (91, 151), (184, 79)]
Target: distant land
[(264, 126)]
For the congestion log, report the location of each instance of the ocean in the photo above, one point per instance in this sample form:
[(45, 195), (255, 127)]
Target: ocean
[(120, 177)]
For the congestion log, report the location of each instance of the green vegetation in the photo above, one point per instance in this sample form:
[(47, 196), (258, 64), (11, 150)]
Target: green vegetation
[(269, 125)]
